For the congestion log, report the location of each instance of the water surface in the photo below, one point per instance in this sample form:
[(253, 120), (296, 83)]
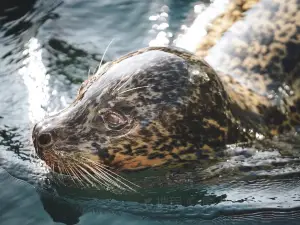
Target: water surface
[(46, 50)]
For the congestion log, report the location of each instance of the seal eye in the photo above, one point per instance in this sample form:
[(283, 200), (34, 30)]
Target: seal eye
[(114, 120)]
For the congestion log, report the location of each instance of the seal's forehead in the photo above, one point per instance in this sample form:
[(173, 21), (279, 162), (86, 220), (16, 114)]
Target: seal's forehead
[(144, 61), (137, 70)]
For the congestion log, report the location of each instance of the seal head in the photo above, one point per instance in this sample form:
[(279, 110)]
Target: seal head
[(153, 107)]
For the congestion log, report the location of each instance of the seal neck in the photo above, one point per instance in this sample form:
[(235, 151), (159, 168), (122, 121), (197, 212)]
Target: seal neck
[(259, 114), (248, 108)]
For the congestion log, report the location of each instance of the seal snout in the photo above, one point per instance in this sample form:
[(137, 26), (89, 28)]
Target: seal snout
[(42, 138)]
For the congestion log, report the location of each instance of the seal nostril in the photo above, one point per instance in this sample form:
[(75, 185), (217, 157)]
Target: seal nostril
[(44, 139)]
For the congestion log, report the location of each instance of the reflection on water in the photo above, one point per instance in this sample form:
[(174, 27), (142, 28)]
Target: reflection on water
[(36, 80), (193, 35), (160, 26), (47, 49)]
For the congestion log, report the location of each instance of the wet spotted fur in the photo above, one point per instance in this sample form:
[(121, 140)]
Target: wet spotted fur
[(174, 109)]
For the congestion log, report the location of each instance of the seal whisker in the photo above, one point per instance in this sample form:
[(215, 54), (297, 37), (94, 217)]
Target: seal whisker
[(119, 85), (70, 174), (105, 52), (133, 89), (120, 181), (116, 86), (102, 169), (75, 174), (99, 179), (99, 176), (58, 168), (52, 166), (106, 178), (64, 170), (85, 174), (109, 171), (89, 73), (81, 175), (62, 166), (97, 69), (72, 169), (110, 179)]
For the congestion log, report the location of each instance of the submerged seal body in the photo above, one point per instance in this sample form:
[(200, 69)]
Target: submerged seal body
[(165, 107)]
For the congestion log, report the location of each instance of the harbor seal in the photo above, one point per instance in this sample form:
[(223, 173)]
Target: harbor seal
[(164, 107)]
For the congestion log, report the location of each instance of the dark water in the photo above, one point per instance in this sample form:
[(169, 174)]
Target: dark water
[(46, 50)]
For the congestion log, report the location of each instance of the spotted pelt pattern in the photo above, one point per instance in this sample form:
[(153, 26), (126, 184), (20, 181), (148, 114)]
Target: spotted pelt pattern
[(260, 55), (166, 107), (261, 50), (233, 13)]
